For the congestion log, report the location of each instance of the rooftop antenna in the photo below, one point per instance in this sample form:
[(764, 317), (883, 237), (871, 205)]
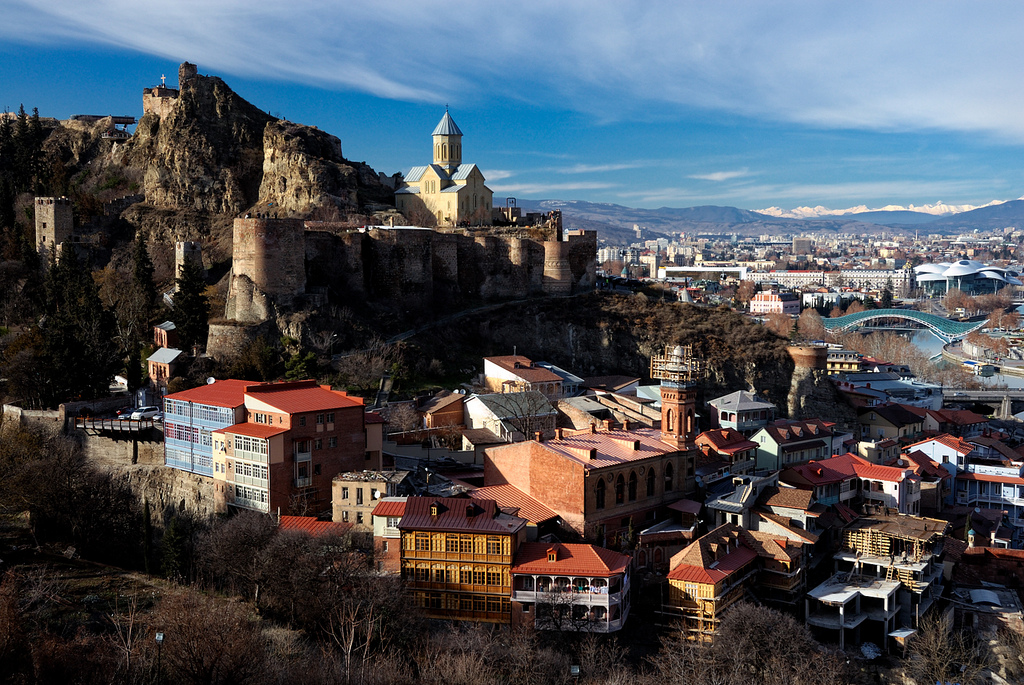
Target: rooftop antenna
[(513, 350)]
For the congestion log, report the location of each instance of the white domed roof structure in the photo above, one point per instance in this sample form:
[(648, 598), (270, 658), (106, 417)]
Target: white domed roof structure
[(969, 275)]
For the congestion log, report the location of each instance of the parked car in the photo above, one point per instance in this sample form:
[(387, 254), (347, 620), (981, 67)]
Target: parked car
[(145, 413), (126, 413)]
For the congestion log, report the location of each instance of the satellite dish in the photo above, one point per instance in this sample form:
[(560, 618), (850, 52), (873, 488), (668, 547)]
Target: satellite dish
[(211, 380), (376, 494)]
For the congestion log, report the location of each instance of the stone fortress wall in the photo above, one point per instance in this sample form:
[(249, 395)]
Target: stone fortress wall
[(279, 263)]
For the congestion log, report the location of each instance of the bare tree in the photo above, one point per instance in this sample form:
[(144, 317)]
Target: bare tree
[(810, 325), (780, 324), (525, 413), (940, 653)]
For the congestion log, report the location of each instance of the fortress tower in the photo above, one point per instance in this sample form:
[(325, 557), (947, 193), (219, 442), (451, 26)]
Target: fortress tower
[(54, 222), (268, 268), (190, 250)]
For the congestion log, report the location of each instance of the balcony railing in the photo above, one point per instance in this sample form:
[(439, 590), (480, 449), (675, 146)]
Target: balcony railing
[(303, 482), (303, 456)]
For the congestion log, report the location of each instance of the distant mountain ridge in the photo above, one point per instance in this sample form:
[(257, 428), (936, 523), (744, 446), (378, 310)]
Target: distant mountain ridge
[(615, 222)]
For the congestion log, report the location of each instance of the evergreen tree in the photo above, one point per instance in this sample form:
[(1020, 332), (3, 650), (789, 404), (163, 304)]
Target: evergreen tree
[(142, 273), (174, 550), (301, 366), (78, 333), (191, 313)]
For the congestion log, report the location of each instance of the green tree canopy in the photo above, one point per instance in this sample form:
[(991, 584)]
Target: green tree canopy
[(191, 313)]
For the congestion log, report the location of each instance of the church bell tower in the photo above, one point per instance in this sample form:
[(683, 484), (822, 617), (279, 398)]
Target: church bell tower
[(679, 372), (447, 144)]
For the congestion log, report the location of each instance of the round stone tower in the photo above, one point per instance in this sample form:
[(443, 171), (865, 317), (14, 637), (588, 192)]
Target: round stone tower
[(268, 267), (557, 274)]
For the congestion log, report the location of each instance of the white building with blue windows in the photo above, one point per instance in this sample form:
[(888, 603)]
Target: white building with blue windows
[(191, 417)]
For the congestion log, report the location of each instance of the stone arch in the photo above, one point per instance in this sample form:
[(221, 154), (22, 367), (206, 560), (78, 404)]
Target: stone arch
[(651, 477), (632, 486), (599, 492), (620, 489), (668, 477), (670, 417)]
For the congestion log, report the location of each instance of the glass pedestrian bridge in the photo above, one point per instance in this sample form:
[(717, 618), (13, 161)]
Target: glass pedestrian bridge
[(945, 329)]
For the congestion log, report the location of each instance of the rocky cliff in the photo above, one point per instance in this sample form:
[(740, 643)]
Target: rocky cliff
[(602, 333), (208, 155)]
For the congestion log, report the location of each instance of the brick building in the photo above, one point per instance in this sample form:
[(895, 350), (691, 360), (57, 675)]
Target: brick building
[(600, 482), (355, 495), (268, 446), (772, 302)]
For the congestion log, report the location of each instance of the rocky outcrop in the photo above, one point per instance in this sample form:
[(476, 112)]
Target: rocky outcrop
[(210, 151), (812, 394)]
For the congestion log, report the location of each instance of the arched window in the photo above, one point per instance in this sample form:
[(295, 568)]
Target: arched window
[(670, 419), (599, 493), (632, 486), (444, 151), (620, 490), (689, 422), (725, 416), (650, 482), (668, 478)]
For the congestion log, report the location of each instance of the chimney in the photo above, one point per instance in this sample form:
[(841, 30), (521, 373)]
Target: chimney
[(593, 428), (470, 511), (538, 436), (559, 434), (625, 424), (607, 423), (592, 453)]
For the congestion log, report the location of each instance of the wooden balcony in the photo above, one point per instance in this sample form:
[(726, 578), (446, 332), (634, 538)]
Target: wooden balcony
[(457, 556)]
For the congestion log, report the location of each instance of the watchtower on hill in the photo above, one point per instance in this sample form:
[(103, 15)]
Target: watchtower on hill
[(54, 222)]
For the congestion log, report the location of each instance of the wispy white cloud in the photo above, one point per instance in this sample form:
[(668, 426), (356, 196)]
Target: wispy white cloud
[(721, 175), (545, 189), (597, 168), (866, 65), (498, 174)]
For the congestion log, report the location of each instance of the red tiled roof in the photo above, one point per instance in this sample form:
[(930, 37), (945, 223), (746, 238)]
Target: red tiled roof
[(454, 515), (511, 497), (949, 441), (785, 431), (531, 374), (990, 478), (787, 524), (254, 430), (922, 464), (313, 526), (301, 396), (226, 393), (726, 440), (389, 508), (728, 564), (612, 447), (845, 512), (571, 560), (373, 417)]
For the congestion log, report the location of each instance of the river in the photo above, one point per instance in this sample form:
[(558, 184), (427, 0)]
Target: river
[(930, 345)]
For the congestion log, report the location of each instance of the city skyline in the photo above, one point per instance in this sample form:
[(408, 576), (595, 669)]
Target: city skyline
[(790, 105)]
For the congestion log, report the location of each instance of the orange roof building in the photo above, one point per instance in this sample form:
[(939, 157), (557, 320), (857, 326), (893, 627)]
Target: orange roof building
[(577, 587), (599, 482), (715, 571), (267, 446)]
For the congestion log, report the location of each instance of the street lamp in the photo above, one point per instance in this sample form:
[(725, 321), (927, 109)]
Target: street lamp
[(159, 644)]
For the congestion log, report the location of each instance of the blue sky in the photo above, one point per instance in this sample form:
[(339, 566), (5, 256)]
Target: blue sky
[(748, 104)]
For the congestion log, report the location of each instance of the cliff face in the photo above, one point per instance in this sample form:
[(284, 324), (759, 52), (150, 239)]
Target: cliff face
[(205, 154), (602, 333), (209, 155)]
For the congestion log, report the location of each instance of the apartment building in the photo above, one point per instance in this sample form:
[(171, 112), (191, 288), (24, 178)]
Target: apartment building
[(456, 557), (742, 411), (717, 570), (574, 587), (784, 442), (599, 482), (355, 495), (773, 302)]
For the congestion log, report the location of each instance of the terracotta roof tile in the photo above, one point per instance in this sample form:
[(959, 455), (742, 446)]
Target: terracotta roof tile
[(296, 397), (225, 393), (459, 515), (313, 526), (511, 497), (525, 370), (571, 560), (790, 498), (961, 446)]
